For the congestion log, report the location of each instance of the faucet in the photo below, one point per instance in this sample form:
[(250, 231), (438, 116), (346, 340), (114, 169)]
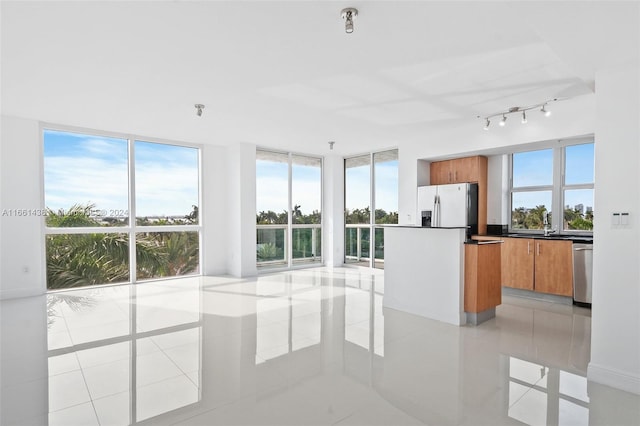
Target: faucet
[(547, 230)]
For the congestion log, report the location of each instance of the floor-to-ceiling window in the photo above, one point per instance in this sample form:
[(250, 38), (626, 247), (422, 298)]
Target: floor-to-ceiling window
[(118, 209), (371, 185), (288, 209)]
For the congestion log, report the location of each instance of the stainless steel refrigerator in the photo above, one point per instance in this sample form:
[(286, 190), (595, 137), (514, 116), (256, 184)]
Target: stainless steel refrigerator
[(449, 206)]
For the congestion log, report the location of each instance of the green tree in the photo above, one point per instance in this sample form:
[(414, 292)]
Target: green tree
[(75, 217), (75, 260)]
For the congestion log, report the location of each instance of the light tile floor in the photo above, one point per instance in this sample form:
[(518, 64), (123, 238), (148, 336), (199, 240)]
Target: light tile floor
[(311, 346)]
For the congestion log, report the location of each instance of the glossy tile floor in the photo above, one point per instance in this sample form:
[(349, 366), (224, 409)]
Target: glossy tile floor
[(309, 346)]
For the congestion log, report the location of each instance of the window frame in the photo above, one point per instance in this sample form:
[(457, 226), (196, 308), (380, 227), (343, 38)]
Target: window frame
[(557, 188), (290, 262), (132, 229), (372, 226)]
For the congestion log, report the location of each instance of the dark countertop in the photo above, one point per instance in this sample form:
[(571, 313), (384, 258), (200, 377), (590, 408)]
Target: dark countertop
[(393, 225), (481, 243), (584, 239)]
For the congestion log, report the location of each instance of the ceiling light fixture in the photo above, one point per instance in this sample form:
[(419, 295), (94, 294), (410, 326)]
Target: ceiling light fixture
[(349, 14), (199, 108), (520, 110), (331, 145)]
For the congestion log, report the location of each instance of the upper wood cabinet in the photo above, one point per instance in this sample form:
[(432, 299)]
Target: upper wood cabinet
[(461, 170), (440, 172)]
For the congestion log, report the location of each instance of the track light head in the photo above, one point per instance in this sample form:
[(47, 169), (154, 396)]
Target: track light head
[(524, 117), (199, 108), (545, 111), (486, 124), (503, 121)]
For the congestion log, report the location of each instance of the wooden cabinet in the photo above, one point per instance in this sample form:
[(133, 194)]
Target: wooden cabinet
[(466, 169), (517, 263), (459, 170), (462, 170), (440, 172), (544, 266), (482, 282), (554, 267)]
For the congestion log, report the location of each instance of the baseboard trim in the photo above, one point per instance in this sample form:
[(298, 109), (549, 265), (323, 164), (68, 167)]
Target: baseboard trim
[(613, 377)]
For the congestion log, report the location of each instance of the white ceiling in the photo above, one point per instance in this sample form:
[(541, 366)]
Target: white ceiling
[(285, 74)]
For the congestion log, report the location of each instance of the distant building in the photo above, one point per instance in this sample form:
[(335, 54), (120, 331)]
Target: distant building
[(579, 208)]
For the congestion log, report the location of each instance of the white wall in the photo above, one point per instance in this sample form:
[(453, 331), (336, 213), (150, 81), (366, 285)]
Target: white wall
[(498, 189), (615, 336), (22, 241), (241, 205), (333, 211), (214, 209)]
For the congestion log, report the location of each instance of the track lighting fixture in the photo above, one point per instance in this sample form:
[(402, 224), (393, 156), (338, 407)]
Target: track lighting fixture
[(520, 110), (349, 14), (199, 108)]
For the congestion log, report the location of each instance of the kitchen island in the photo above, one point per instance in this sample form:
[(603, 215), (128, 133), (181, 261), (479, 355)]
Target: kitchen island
[(424, 272)]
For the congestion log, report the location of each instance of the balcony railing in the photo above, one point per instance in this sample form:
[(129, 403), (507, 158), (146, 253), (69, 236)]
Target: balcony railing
[(358, 243), (272, 247)]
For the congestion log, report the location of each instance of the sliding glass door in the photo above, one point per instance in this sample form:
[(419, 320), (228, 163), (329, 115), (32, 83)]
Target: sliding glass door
[(371, 185), (288, 209)]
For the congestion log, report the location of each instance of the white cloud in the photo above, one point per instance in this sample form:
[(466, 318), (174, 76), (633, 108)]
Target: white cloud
[(70, 180)]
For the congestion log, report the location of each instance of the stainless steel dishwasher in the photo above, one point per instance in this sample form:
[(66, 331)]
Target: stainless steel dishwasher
[(582, 273)]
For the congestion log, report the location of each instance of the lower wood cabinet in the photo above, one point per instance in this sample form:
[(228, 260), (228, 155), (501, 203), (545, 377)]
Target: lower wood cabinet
[(544, 266), (539, 265), (554, 267), (518, 263), (482, 280)]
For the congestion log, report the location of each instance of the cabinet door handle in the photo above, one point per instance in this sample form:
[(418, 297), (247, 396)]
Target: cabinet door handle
[(449, 176), (528, 247), (538, 248), (455, 175)]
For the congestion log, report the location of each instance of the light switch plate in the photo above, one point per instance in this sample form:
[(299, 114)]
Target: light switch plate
[(624, 218), (615, 219)]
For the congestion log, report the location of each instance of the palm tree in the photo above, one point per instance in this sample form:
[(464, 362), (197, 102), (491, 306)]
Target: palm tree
[(179, 252), (75, 260), (75, 217)]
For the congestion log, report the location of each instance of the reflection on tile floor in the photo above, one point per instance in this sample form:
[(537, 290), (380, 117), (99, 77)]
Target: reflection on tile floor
[(311, 346)]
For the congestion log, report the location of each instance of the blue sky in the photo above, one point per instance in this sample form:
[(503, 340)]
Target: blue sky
[(272, 187), (535, 168), (272, 178), (83, 169), (357, 186)]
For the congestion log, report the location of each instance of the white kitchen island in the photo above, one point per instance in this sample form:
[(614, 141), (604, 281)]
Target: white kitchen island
[(424, 272)]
